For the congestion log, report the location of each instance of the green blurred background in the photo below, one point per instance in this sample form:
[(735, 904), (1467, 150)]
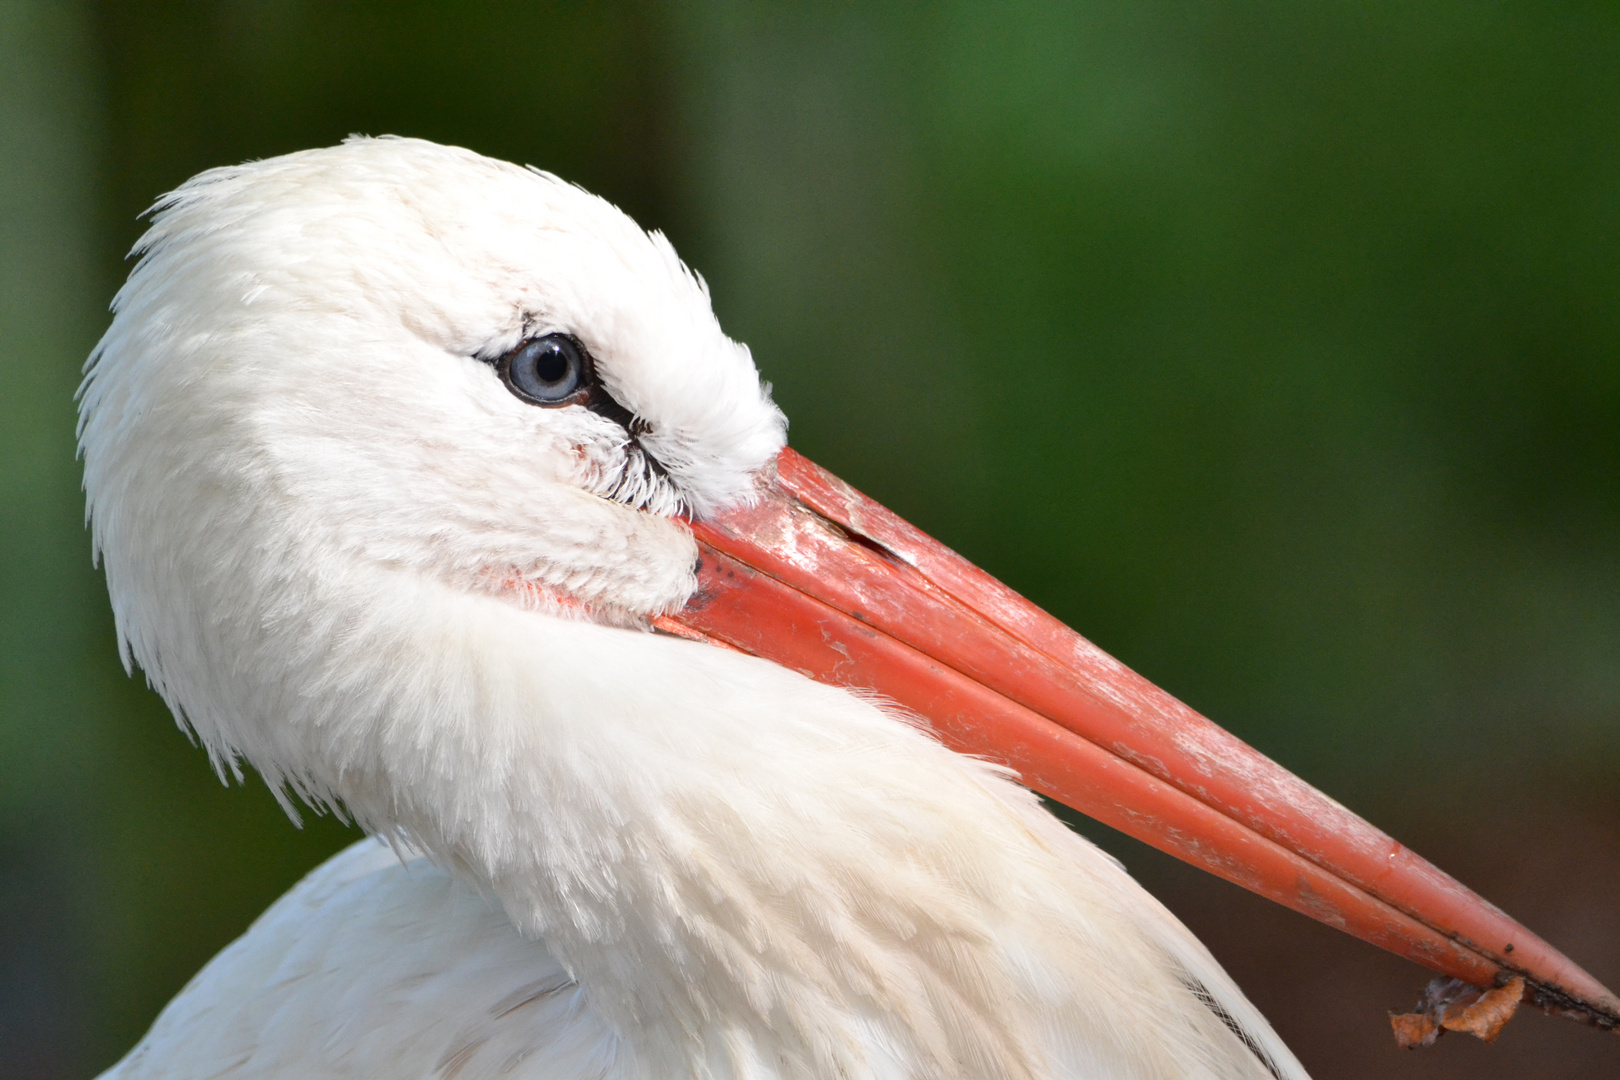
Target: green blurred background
[(1276, 347)]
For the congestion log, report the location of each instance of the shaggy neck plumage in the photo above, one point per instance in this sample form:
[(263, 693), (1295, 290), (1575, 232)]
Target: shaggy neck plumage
[(704, 861)]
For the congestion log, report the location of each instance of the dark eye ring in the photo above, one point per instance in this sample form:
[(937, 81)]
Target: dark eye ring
[(552, 370)]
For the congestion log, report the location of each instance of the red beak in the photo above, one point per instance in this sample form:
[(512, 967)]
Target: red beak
[(821, 579)]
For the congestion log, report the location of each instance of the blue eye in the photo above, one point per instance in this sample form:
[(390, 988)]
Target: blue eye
[(550, 370)]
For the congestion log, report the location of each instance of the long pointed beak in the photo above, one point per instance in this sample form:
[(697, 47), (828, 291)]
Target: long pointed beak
[(821, 579)]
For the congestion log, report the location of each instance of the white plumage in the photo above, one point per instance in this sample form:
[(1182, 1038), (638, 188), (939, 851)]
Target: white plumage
[(347, 555)]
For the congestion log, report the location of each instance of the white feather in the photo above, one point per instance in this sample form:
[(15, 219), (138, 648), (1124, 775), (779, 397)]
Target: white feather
[(311, 495)]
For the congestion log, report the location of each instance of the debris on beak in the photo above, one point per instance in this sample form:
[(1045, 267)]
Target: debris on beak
[(1453, 1005)]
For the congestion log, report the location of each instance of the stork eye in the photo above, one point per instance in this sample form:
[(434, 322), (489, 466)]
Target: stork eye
[(550, 370)]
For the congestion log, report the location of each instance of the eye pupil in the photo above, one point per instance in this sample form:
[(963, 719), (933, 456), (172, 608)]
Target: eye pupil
[(549, 370), (551, 365)]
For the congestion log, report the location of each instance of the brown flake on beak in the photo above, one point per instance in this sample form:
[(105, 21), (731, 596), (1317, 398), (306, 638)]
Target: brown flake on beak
[(1453, 1005)]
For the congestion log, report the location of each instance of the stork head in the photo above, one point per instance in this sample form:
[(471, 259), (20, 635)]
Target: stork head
[(395, 358), (430, 359)]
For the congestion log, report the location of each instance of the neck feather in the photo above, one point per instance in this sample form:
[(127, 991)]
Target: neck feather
[(747, 872)]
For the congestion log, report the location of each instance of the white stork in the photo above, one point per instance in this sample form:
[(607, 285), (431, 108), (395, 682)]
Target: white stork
[(411, 470)]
